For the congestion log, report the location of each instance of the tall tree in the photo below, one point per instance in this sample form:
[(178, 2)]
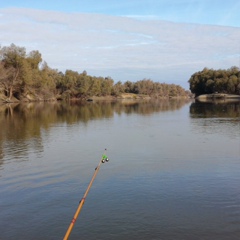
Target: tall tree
[(13, 59)]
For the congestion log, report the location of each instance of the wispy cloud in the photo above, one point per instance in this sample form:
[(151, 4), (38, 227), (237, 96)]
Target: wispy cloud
[(121, 47)]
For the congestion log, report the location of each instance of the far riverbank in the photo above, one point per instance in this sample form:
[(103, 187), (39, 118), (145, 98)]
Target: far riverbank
[(217, 96), (124, 96)]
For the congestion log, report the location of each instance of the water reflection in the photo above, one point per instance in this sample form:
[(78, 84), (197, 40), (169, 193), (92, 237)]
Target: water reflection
[(148, 107), (156, 161), (22, 124), (216, 117), (217, 110)]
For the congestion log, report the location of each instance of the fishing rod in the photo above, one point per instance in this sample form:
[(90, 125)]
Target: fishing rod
[(103, 159)]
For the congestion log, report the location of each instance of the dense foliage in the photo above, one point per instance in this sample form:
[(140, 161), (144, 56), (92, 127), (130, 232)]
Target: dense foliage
[(210, 81), (24, 75)]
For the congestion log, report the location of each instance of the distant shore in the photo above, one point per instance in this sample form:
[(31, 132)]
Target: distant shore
[(217, 96), (124, 96)]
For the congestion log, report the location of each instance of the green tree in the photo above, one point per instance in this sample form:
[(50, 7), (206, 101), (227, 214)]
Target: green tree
[(85, 83), (13, 59), (209, 81), (118, 88), (34, 58), (128, 87), (106, 86), (95, 88), (49, 78)]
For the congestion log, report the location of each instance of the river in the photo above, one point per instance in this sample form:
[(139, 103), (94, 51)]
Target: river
[(174, 170)]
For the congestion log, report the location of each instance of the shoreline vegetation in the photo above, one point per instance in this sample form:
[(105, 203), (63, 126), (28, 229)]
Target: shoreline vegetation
[(25, 77), (220, 85)]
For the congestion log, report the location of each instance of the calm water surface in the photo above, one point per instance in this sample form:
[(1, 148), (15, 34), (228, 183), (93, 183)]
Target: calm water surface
[(174, 170)]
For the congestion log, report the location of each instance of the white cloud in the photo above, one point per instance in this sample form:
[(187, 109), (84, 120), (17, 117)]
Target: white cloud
[(121, 47)]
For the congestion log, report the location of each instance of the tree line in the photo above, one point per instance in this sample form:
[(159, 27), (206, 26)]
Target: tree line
[(26, 75), (210, 81)]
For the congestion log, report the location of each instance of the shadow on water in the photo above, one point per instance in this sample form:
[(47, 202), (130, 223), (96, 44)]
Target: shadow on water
[(24, 123)]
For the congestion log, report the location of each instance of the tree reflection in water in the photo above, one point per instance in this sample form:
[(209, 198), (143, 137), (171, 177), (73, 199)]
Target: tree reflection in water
[(22, 124)]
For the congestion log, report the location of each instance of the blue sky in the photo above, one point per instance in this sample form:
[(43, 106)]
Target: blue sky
[(163, 40), (217, 12)]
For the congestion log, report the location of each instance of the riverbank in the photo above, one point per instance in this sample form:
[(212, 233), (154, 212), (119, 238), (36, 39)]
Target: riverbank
[(123, 96), (218, 96)]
